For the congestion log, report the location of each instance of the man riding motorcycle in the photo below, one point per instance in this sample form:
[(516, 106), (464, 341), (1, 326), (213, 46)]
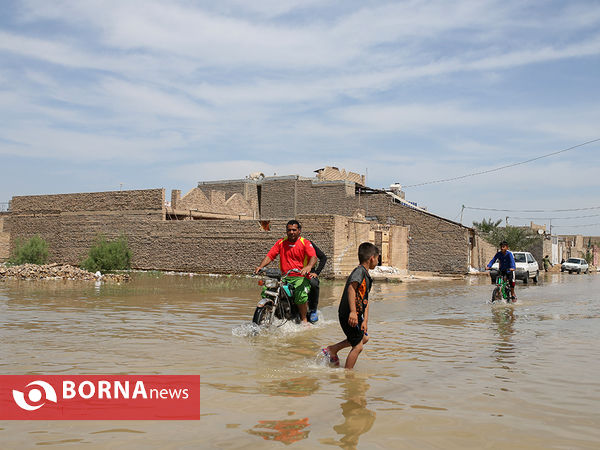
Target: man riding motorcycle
[(295, 252)]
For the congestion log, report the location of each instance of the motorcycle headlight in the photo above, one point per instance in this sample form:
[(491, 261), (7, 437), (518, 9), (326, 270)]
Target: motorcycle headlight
[(270, 283)]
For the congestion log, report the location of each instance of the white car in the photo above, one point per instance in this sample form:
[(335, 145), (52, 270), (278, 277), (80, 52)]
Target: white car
[(575, 265), (527, 267)]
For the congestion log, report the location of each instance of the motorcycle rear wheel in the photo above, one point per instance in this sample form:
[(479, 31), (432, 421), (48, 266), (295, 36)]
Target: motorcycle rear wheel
[(262, 315)]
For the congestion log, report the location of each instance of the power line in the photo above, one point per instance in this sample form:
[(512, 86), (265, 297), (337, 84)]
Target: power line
[(502, 167), (554, 218), (576, 226), (533, 210)]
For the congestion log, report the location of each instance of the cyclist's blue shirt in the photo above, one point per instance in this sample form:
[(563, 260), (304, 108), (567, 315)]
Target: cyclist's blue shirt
[(506, 261)]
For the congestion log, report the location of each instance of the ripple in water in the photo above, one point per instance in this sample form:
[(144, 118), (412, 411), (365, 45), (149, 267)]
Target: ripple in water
[(246, 329), (279, 327)]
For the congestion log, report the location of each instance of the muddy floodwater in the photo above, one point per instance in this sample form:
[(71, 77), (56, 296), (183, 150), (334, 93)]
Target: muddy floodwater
[(443, 368)]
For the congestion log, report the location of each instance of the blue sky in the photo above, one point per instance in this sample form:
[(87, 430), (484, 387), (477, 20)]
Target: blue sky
[(152, 93)]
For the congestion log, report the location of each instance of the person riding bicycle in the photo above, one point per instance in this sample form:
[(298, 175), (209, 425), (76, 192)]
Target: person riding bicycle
[(507, 267), (294, 252)]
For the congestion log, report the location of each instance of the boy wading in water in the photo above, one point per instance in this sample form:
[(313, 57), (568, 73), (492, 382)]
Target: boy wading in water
[(353, 311)]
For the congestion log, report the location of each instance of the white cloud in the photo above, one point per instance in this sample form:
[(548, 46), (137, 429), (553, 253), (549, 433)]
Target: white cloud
[(414, 90)]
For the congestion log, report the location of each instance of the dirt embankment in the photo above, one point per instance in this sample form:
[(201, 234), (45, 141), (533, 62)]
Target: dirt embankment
[(56, 272)]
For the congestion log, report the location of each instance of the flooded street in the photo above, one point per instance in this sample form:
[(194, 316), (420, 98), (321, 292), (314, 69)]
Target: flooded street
[(443, 368)]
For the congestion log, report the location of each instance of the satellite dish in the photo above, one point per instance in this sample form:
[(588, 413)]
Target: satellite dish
[(540, 231)]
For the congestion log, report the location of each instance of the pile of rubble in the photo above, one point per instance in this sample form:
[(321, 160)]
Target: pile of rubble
[(385, 270), (57, 272)]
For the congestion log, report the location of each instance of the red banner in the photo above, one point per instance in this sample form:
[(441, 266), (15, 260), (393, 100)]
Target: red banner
[(99, 397)]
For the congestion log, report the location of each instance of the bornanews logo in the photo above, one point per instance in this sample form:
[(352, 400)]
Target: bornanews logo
[(99, 397)]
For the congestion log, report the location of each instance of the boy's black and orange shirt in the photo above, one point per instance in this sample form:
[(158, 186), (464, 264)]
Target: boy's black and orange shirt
[(362, 277)]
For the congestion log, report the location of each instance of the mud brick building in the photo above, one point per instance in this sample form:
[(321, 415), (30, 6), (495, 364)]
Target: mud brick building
[(435, 244), (4, 237), (165, 238), (227, 226)]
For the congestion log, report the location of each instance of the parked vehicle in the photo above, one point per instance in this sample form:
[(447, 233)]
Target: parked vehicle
[(575, 265), (527, 267)]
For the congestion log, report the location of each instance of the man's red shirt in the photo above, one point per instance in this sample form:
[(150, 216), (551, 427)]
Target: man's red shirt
[(292, 255)]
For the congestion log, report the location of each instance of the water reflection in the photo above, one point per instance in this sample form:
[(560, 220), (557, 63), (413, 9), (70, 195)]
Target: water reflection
[(286, 431), (504, 319), (295, 387), (358, 419)]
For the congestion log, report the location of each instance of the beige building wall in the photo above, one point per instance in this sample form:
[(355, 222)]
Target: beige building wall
[(247, 188), (435, 244), (482, 253), (4, 239), (213, 202), (399, 247), (209, 246), (117, 201), (333, 173), (349, 234)]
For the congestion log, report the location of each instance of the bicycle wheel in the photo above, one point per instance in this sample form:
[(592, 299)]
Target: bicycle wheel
[(496, 294)]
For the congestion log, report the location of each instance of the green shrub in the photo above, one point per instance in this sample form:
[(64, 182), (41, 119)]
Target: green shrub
[(33, 251), (589, 257), (107, 256)]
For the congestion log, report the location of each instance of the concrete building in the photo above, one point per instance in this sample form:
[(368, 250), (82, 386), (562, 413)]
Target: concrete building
[(562, 247), (579, 246)]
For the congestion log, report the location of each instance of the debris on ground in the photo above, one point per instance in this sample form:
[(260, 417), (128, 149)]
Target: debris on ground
[(57, 271)]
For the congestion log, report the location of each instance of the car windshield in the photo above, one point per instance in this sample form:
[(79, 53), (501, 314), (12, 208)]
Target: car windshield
[(573, 260), (519, 257)]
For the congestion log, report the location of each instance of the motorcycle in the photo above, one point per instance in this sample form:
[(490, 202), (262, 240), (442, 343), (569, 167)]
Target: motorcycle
[(277, 299)]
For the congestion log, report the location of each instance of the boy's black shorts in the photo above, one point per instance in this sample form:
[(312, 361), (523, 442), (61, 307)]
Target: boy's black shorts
[(353, 334)]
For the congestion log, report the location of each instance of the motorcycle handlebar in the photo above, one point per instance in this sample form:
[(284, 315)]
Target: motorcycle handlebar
[(263, 270)]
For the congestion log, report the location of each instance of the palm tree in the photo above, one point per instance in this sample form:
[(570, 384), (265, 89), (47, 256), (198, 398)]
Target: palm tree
[(518, 238), (486, 226)]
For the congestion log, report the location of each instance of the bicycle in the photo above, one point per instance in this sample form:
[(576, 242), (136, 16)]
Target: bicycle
[(502, 289)]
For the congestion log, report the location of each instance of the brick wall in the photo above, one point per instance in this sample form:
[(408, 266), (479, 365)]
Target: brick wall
[(333, 173), (215, 246), (4, 238), (214, 202), (282, 197), (436, 244), (247, 188), (278, 199), (399, 247), (483, 252), (146, 199), (348, 236)]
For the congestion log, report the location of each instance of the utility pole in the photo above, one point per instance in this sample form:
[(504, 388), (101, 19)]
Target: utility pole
[(461, 213)]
